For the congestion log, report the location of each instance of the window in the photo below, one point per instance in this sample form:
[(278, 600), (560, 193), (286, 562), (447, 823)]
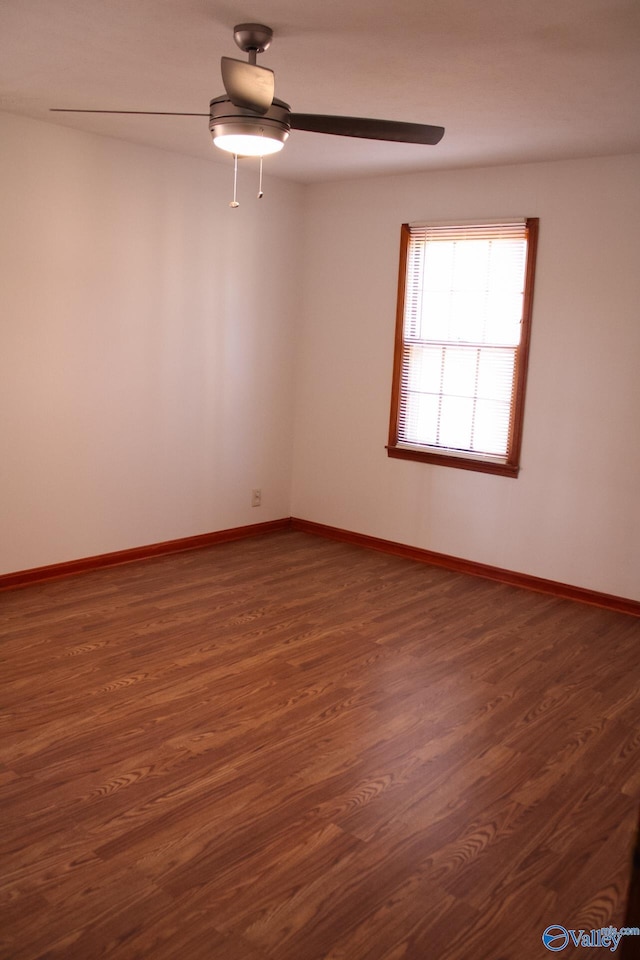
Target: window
[(465, 294)]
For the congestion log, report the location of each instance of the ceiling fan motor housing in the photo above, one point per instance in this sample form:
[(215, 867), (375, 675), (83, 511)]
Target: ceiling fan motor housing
[(228, 120)]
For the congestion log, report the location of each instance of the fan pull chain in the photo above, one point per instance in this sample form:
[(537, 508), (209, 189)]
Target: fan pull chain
[(260, 193), (234, 203)]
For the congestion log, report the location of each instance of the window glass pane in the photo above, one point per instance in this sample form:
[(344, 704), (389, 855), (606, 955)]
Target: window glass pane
[(507, 264), (468, 315), (503, 315), (491, 427), (420, 420), (435, 315), (495, 374), (471, 265), (456, 418), (471, 290), (423, 366), (438, 264), (460, 365)]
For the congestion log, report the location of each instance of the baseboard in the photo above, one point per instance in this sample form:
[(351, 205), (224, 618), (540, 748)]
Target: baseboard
[(565, 591), (57, 570), (562, 590)]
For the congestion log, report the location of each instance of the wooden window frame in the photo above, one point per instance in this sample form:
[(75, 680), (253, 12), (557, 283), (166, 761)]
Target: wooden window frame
[(508, 466)]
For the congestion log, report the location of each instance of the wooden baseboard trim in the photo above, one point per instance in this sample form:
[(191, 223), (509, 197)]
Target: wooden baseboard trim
[(55, 571), (562, 590)]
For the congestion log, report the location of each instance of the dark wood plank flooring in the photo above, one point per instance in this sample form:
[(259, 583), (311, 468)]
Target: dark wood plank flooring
[(288, 748)]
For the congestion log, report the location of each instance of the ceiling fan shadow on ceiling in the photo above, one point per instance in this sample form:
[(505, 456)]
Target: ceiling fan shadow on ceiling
[(249, 120)]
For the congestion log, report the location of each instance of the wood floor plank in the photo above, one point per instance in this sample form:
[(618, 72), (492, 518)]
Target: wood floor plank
[(290, 748)]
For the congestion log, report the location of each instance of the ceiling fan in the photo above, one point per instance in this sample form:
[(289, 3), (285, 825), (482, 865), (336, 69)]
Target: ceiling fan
[(250, 121)]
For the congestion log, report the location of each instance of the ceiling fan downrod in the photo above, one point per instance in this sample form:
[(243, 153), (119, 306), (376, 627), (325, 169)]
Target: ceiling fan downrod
[(253, 38)]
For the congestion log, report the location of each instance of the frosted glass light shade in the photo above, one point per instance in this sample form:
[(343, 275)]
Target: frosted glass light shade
[(250, 145)]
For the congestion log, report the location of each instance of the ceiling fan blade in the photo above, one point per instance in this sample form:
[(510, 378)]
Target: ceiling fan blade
[(367, 129), (248, 85), (146, 113)]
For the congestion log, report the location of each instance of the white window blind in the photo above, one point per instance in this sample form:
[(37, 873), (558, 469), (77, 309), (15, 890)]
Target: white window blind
[(463, 313)]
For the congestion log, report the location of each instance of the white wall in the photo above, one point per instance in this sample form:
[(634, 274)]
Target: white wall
[(573, 515), (147, 340), (146, 345)]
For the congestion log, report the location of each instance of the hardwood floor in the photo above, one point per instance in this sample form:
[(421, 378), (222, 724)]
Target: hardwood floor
[(288, 748)]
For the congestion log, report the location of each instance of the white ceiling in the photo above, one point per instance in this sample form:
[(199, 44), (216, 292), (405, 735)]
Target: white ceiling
[(510, 80)]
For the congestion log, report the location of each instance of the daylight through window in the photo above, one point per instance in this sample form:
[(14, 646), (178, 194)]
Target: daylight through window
[(464, 309)]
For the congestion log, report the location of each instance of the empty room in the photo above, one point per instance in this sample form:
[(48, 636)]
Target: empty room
[(319, 480)]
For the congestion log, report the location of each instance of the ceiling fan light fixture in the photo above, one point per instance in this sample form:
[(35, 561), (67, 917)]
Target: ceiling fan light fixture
[(240, 131)]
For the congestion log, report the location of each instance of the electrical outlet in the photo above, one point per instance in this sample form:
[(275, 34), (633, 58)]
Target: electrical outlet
[(256, 498)]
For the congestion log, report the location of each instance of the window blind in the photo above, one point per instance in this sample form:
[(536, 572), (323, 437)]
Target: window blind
[(462, 323)]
